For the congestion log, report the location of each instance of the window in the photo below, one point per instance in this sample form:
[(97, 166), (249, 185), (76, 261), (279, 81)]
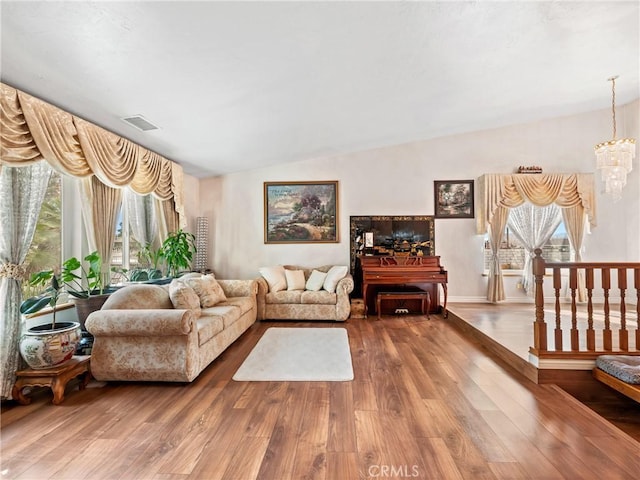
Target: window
[(46, 247), (120, 245), (136, 222), (512, 253)]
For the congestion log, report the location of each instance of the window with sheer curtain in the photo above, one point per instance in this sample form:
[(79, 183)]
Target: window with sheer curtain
[(36, 137), (45, 251), (136, 227), (22, 191), (530, 227)]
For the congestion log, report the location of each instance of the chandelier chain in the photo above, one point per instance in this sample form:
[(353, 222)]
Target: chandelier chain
[(613, 104), (614, 158)]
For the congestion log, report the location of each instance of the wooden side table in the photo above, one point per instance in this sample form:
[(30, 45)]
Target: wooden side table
[(55, 377)]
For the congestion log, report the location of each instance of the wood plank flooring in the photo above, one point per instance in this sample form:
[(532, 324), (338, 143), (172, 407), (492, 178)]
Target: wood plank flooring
[(425, 403), (506, 330), (511, 324)]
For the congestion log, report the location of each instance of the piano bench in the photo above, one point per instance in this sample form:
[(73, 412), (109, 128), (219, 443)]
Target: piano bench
[(425, 298)]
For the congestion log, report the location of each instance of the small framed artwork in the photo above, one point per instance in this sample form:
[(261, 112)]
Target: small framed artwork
[(453, 198), (301, 212), (368, 239)]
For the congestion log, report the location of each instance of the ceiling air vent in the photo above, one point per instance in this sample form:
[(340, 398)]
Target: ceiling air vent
[(139, 122)]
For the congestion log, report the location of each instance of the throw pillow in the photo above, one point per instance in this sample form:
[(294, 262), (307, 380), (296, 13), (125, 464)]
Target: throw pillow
[(275, 277), (190, 275), (183, 296), (316, 280), (295, 279), (208, 290), (334, 275)]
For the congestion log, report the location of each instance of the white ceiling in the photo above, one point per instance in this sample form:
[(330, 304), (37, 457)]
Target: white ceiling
[(239, 85)]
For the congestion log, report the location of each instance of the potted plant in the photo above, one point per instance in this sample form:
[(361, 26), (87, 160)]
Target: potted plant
[(148, 269), (51, 344), (86, 286), (150, 261), (177, 251), (67, 280)]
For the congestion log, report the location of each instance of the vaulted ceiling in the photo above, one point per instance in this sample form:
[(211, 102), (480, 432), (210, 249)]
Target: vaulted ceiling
[(234, 86)]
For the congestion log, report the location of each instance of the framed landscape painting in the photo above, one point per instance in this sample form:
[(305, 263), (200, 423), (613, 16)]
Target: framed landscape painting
[(453, 198), (301, 212)]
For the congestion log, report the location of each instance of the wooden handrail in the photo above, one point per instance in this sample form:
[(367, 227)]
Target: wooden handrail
[(588, 327)]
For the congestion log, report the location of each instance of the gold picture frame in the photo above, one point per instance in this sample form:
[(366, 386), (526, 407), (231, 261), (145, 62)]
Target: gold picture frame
[(301, 212)]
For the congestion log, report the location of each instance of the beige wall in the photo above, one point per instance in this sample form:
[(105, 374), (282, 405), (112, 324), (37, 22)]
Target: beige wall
[(398, 180), (191, 201)]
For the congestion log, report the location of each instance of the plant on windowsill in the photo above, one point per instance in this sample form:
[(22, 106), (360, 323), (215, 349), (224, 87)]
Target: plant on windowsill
[(67, 280), (176, 253), (149, 269)]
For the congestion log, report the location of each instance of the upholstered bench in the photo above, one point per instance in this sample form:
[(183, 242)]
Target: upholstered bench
[(620, 372), (424, 297)]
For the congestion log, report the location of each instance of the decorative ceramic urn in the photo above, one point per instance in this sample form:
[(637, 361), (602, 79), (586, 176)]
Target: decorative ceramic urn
[(41, 347)]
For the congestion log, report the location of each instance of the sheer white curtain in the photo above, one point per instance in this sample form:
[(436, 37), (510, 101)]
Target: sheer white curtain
[(22, 190), (142, 217), (533, 227)]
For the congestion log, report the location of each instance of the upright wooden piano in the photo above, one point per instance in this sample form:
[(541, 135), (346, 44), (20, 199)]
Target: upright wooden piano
[(424, 272)]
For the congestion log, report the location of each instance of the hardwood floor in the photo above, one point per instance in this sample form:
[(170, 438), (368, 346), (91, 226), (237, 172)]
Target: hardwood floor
[(425, 403), (506, 331)]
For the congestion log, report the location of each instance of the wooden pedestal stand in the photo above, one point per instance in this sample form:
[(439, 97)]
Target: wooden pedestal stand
[(55, 377)]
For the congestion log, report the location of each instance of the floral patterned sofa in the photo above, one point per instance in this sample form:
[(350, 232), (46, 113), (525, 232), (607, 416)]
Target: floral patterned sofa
[(169, 332), (304, 293)]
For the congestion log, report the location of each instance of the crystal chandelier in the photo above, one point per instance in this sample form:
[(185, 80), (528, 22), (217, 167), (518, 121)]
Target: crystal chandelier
[(614, 158)]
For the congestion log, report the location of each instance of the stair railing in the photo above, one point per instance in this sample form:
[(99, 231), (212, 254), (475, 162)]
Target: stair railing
[(588, 329)]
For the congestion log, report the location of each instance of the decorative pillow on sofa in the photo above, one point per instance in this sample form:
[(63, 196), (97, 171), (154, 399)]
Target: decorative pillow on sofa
[(275, 277), (334, 275), (295, 279), (183, 296), (208, 290), (316, 281)]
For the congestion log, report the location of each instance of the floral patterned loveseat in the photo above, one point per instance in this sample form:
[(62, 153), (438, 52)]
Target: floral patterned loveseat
[(326, 300), (165, 333)]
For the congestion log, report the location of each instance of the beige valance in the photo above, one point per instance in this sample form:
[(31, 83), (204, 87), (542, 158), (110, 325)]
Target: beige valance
[(16, 142), (509, 191), (55, 135), (32, 130)]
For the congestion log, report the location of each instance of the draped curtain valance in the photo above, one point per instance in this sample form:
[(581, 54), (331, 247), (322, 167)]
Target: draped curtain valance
[(33, 130), (508, 191), (572, 192)]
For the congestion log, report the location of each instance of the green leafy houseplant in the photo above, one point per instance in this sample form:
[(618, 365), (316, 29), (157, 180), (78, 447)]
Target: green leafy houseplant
[(176, 254), (152, 258), (177, 251), (149, 266), (69, 280)]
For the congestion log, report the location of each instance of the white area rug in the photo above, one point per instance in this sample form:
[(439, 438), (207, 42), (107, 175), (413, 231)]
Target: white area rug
[(299, 354)]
